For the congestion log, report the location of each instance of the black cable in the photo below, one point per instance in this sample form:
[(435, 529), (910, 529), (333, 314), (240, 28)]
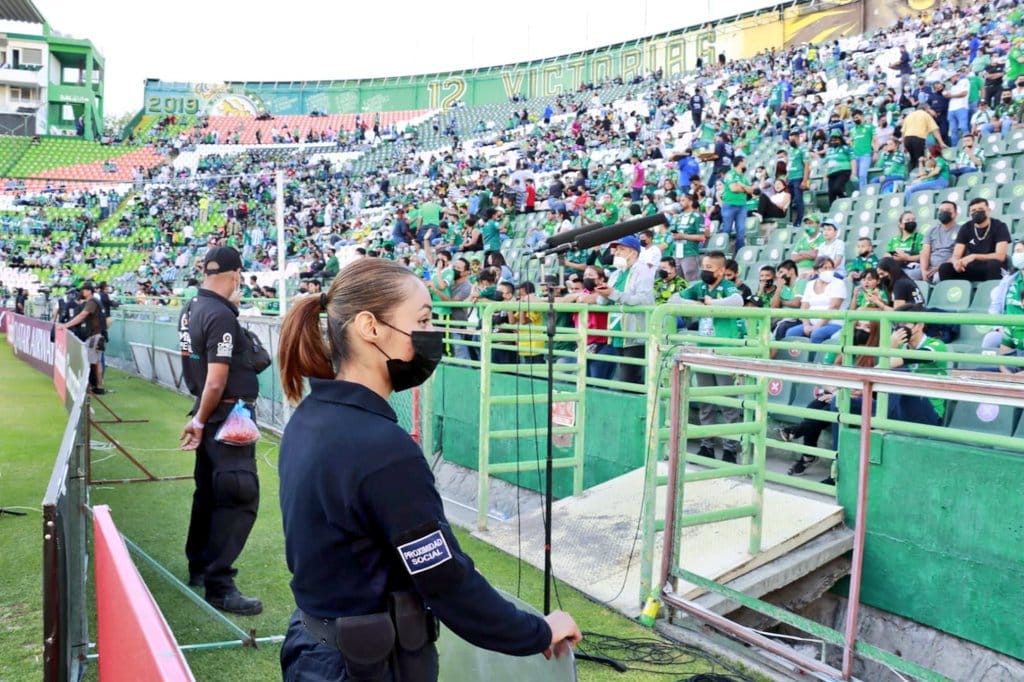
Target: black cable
[(519, 514), (643, 499), (661, 657)]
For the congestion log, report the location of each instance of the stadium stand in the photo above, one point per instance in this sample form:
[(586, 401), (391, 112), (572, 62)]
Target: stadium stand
[(468, 157)]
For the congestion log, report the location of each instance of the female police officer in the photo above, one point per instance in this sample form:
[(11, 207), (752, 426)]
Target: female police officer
[(366, 537)]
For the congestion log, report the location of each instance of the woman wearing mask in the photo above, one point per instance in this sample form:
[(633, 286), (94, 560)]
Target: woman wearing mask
[(897, 284), (825, 292), (905, 246), (366, 539), (593, 277)]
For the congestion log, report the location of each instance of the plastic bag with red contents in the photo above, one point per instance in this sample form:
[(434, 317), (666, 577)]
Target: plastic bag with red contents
[(239, 428)]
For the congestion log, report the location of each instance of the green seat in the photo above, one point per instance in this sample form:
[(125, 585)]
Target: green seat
[(983, 417), (718, 242), (969, 181), (782, 236), (1012, 190), (926, 198), (953, 295), (999, 164), (985, 191), (925, 213), (983, 296), (774, 253), (844, 205), (924, 288), (1003, 178), (748, 255)]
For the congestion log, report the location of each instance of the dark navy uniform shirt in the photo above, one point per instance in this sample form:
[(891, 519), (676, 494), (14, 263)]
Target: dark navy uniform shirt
[(362, 518), (208, 332)]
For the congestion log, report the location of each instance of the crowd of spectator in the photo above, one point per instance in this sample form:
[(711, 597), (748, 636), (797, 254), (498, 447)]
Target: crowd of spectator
[(905, 108)]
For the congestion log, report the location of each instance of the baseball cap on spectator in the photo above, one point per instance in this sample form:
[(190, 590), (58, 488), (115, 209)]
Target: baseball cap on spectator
[(813, 218), (221, 259), (630, 242), (87, 285)]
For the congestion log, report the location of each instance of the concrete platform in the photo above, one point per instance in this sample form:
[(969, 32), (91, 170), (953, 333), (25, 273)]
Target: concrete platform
[(596, 537)]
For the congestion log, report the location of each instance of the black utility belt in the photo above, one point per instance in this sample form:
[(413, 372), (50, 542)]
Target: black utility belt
[(369, 641)]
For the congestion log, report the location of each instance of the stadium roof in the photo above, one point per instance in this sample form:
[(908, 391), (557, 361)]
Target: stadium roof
[(20, 10)]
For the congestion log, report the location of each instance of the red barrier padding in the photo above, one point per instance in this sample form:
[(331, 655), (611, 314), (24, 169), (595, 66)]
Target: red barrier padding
[(134, 640)]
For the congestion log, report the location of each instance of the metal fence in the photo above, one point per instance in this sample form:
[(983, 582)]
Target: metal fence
[(65, 538)]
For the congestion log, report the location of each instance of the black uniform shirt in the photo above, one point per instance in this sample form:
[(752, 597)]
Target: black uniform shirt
[(208, 332), (362, 518)]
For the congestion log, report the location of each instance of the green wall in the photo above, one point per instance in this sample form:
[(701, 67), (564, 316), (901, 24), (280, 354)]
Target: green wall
[(613, 428), (945, 540)]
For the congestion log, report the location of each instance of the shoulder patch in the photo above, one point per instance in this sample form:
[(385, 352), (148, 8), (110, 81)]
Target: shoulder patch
[(425, 553), (226, 346)]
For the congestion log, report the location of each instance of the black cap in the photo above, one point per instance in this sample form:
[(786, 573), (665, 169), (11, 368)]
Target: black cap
[(87, 285), (221, 259)]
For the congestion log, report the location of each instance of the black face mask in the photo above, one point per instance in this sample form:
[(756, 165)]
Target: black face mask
[(786, 279), (707, 277), (978, 217), (589, 283), (910, 226), (665, 274), (427, 349), (945, 217)]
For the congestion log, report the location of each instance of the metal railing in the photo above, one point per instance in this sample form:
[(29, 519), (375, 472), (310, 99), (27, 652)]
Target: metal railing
[(870, 382)]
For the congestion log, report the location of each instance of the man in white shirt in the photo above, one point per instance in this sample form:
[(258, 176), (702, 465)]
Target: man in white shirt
[(651, 253), (957, 116)]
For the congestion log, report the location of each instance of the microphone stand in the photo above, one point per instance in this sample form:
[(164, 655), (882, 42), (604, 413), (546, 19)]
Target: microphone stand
[(549, 460)]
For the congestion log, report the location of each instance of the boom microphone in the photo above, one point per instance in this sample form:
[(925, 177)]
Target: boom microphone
[(566, 237), (618, 230)]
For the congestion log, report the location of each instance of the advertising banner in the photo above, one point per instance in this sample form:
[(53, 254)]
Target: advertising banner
[(30, 339), (672, 53), (70, 367)]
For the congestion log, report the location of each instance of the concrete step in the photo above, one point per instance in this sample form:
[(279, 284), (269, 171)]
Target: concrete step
[(790, 568)]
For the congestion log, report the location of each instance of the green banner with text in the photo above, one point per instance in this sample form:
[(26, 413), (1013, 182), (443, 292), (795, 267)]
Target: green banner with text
[(672, 53)]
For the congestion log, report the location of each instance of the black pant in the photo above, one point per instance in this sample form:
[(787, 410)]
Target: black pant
[(915, 148), (767, 209), (305, 659), (993, 92), (784, 326), (633, 374), (978, 271), (837, 185), (224, 507), (810, 429)]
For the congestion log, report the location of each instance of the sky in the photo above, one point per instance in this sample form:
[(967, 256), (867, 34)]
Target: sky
[(219, 40)]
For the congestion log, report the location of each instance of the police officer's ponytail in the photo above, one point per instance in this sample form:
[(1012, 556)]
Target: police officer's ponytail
[(368, 284)]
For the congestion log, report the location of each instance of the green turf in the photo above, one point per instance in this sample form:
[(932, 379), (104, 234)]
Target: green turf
[(33, 419), (155, 516)]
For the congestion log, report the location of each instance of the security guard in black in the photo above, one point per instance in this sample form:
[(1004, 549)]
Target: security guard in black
[(226, 498), (374, 524), (372, 557)]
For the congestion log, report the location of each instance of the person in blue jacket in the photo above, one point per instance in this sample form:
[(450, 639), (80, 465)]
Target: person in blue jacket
[(373, 559)]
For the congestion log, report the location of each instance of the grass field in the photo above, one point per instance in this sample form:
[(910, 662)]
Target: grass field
[(155, 516)]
